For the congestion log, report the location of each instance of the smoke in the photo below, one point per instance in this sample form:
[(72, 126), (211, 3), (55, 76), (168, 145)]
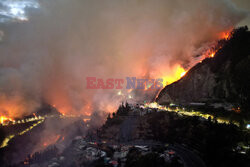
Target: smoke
[(49, 57)]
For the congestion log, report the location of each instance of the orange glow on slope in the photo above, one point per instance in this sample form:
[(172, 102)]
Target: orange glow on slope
[(210, 53), (226, 35), (176, 73), (183, 73), (3, 119), (16, 106)]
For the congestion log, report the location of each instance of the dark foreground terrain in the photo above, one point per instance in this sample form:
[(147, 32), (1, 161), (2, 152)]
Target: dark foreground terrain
[(155, 138)]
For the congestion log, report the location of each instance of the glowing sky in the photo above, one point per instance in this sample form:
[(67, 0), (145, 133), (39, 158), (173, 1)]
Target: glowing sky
[(48, 47)]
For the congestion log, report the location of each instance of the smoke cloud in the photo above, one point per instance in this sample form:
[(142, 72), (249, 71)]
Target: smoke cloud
[(48, 57)]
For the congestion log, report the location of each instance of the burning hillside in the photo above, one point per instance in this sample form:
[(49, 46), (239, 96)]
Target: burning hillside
[(220, 79), (48, 54)]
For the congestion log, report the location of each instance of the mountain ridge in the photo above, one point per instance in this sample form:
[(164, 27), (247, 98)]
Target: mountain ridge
[(224, 78)]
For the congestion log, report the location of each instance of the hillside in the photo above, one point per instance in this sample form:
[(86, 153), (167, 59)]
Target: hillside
[(224, 78)]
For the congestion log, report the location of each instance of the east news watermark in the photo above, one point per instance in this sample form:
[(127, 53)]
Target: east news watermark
[(128, 83)]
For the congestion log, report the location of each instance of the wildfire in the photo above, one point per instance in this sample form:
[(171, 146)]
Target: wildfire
[(211, 55), (178, 72), (4, 119), (226, 35), (183, 73)]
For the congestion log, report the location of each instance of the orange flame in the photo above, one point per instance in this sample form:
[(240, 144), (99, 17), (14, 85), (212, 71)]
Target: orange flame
[(210, 53), (4, 119), (226, 35), (177, 73), (183, 73)]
